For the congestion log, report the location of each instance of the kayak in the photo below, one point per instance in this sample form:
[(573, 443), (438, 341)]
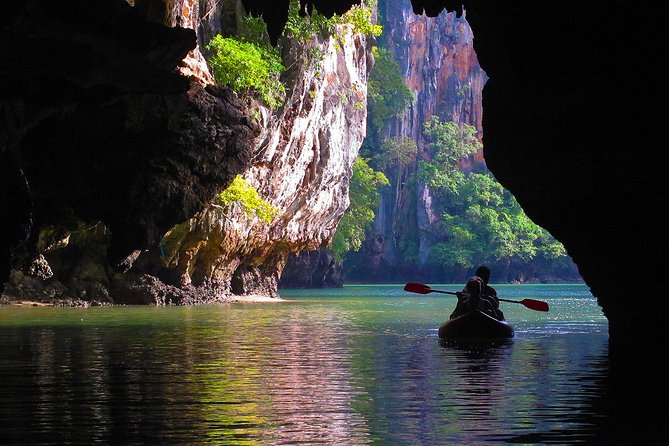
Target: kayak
[(475, 325)]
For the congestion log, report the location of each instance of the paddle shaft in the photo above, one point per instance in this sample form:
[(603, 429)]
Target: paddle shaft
[(445, 292), (456, 293), (424, 289)]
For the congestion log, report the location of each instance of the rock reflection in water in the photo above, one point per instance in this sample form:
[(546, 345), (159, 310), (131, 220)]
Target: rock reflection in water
[(198, 376)]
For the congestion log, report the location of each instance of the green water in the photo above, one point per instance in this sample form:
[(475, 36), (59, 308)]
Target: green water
[(351, 366)]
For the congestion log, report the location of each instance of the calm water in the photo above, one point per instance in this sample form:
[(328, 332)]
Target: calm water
[(354, 366)]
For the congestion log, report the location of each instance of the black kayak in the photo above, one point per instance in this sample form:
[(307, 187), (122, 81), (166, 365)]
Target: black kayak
[(475, 325)]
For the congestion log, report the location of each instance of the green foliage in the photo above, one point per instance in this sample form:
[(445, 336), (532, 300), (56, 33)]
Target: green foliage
[(398, 151), (248, 62), (439, 180), (448, 143), (254, 30), (549, 248), (360, 16), (485, 224), (388, 94), (409, 249), (314, 57), (304, 27), (247, 66), (364, 197), (242, 193), (457, 252)]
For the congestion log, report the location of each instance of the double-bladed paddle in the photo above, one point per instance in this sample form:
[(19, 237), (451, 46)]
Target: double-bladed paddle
[(420, 288)]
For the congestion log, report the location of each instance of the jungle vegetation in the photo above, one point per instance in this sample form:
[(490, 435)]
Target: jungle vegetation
[(364, 196), (243, 194), (250, 64)]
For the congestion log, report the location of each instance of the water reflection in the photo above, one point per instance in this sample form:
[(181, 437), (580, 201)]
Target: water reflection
[(343, 373), (305, 378), (513, 391)]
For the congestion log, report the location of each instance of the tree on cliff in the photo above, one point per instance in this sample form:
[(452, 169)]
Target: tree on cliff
[(448, 143), (241, 193), (364, 196), (387, 96), (248, 62)]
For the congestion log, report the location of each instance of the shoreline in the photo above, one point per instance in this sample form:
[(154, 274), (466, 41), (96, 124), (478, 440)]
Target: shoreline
[(26, 303), (255, 298), (248, 299)]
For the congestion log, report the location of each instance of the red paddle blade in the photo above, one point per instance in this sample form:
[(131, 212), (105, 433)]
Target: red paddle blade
[(535, 304), (417, 288)]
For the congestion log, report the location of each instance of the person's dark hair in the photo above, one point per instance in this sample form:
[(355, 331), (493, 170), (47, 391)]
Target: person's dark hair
[(484, 273)]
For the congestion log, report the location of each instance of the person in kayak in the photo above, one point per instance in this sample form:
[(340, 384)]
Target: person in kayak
[(489, 294), (478, 294), (469, 297)]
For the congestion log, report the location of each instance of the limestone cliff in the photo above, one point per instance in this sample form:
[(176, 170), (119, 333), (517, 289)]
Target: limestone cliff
[(301, 165), (440, 65), (437, 59), (128, 212)]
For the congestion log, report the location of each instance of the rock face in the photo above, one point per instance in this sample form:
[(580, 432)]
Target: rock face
[(123, 209), (312, 269), (438, 61), (99, 127), (437, 58), (301, 166)]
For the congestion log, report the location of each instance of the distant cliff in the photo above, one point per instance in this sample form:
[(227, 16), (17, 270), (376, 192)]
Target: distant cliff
[(142, 155), (439, 64), (437, 58)]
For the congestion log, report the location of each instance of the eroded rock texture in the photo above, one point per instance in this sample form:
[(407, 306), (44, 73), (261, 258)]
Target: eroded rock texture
[(98, 126), (437, 58), (140, 141), (301, 166), (312, 269)]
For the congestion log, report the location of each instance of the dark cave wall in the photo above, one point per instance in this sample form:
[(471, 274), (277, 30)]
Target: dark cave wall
[(96, 124), (560, 134)]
